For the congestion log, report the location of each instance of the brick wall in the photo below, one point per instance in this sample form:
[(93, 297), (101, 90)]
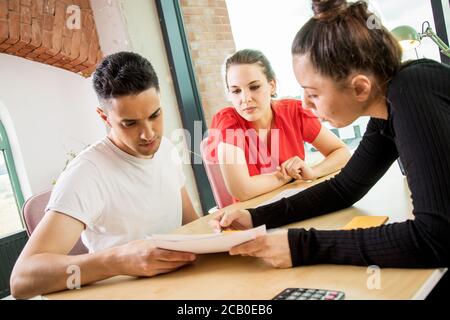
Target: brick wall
[(211, 41), (37, 30)]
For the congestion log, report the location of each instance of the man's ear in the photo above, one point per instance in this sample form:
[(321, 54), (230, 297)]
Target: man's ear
[(362, 87), (103, 115)]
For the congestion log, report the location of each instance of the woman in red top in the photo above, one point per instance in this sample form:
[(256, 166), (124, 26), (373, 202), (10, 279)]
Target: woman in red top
[(259, 142)]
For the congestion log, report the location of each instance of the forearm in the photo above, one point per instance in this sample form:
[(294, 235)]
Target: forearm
[(314, 201), (400, 245), (45, 273), (332, 163), (252, 187)]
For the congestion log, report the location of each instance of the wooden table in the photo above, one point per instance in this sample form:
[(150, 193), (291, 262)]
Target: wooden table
[(223, 277)]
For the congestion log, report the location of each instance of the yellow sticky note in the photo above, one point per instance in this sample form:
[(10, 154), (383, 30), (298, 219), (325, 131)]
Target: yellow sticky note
[(364, 222)]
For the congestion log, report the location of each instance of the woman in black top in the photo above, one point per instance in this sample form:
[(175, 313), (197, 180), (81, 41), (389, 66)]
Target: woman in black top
[(349, 70)]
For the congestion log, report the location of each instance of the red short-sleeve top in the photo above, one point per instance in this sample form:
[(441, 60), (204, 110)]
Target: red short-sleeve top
[(292, 126)]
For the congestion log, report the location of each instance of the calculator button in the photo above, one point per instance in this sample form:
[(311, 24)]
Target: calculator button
[(340, 296), (287, 291), (317, 296)]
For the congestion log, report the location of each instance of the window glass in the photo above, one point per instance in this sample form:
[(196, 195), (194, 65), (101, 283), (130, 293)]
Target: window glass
[(9, 215)]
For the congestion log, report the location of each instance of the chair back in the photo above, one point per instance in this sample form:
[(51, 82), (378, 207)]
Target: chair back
[(33, 211), (220, 191)]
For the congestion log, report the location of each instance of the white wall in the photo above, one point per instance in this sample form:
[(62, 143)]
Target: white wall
[(48, 112), (134, 26), (446, 9)]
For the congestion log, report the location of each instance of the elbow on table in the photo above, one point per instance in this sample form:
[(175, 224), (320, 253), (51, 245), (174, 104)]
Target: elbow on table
[(19, 288)]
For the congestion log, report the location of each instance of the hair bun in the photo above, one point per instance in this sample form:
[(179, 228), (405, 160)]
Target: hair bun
[(328, 9)]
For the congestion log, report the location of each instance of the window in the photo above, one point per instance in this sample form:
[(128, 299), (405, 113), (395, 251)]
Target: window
[(11, 198), (270, 26)]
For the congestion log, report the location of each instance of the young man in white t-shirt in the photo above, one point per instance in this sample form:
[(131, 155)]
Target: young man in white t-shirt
[(114, 194)]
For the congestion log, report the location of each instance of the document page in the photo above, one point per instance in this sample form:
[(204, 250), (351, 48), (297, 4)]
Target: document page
[(206, 243)]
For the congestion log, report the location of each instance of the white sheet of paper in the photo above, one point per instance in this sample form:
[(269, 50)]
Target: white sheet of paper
[(206, 243), (285, 194)]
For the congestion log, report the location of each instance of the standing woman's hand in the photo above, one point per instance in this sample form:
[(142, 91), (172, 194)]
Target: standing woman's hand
[(273, 248)]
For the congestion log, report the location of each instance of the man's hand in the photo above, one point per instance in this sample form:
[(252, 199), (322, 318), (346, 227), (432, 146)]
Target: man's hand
[(297, 169), (141, 259), (234, 220), (273, 248)]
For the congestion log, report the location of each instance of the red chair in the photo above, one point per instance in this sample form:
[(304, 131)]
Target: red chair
[(33, 211), (220, 191)]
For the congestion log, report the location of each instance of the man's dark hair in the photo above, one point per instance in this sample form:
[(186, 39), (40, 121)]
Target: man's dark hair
[(122, 74)]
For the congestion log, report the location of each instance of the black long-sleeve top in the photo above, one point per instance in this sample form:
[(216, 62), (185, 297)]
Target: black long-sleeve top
[(418, 132)]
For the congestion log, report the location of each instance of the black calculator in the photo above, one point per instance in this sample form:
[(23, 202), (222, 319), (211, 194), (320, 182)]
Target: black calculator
[(309, 294)]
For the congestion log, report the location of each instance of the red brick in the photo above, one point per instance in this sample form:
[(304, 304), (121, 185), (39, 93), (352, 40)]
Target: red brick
[(36, 30), (50, 61), (75, 45), (87, 22), (220, 12), (15, 48), (14, 27), (32, 55), (56, 40), (40, 50), (60, 14), (93, 50), (48, 22), (4, 30), (47, 39), (3, 9), (49, 6), (24, 52), (16, 53), (14, 5), (66, 46), (36, 33), (37, 8), (25, 33), (84, 4), (210, 40), (45, 56), (4, 47), (25, 15), (67, 33), (192, 11)]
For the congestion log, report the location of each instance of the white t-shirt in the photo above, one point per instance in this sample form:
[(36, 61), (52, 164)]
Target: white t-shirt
[(119, 197)]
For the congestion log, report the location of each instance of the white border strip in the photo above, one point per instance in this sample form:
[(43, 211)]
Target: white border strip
[(432, 281)]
